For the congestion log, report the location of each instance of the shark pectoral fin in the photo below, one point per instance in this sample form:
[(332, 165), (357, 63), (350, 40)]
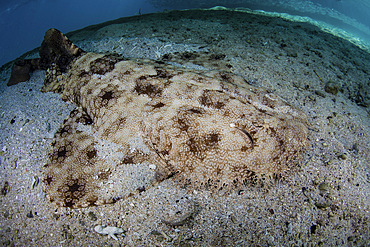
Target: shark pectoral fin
[(73, 164), (21, 70)]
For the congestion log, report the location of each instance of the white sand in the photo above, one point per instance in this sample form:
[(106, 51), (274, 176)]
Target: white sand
[(325, 201)]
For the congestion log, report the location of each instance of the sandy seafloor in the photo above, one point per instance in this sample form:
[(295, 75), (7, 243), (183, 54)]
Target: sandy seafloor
[(324, 202)]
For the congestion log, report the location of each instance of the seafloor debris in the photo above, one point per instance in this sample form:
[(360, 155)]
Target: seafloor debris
[(5, 188), (111, 231), (35, 182), (332, 87), (181, 211), (149, 113)]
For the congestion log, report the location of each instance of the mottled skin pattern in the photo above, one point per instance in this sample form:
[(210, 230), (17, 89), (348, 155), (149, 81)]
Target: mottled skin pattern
[(211, 131)]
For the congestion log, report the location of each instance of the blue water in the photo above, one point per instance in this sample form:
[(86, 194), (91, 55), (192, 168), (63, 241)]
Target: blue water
[(24, 22)]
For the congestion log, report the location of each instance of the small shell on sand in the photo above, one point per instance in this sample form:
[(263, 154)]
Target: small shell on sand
[(108, 230)]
